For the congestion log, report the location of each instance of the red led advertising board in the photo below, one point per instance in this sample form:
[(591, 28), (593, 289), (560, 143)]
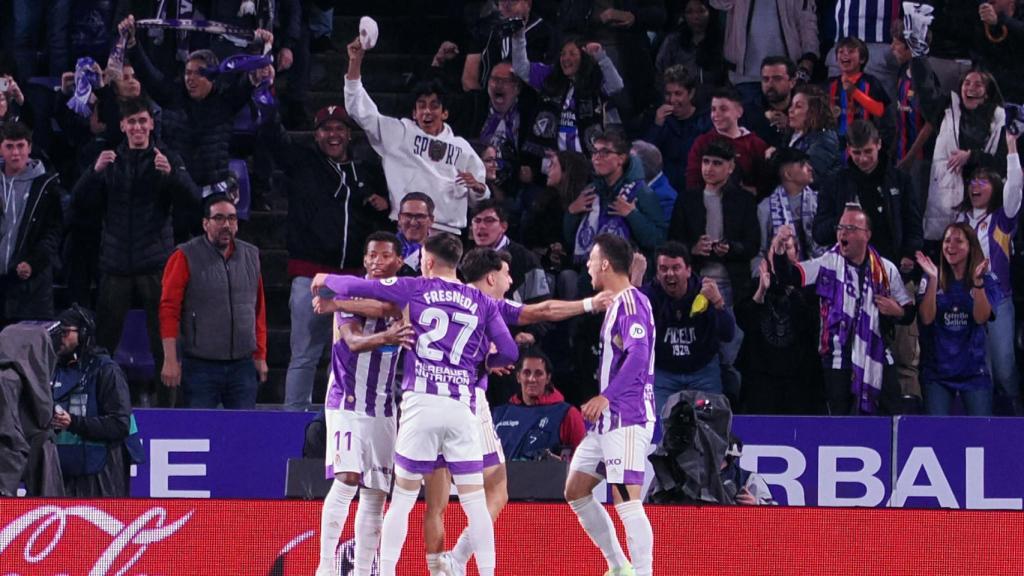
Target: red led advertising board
[(279, 538)]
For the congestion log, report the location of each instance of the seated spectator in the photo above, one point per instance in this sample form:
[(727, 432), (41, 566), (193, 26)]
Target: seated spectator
[(561, 122), (884, 192), (537, 423), (970, 131), (650, 158), (749, 150), (489, 227), (677, 124), (422, 154), (617, 201), (793, 202), (855, 94), (92, 413), (133, 190), (415, 222), (511, 17), (862, 297), (30, 228), (812, 127), (696, 46), (998, 42), (992, 208), (769, 117), (692, 325), (953, 309), (212, 300), (748, 488)]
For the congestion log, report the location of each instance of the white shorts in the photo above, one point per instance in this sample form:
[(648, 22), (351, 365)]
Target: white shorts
[(490, 444), (618, 456), (361, 444), (433, 425)]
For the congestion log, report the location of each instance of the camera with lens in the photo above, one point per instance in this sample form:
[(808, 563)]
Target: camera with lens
[(510, 26)]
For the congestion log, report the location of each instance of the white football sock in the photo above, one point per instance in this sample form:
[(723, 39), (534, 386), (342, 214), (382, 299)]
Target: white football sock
[(394, 529), (332, 520), (369, 519), (463, 548), (481, 530), (598, 525), (639, 536)]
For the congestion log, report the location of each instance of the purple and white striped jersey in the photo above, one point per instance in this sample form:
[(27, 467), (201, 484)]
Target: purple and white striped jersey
[(453, 325), (627, 362), (361, 382), (509, 311)]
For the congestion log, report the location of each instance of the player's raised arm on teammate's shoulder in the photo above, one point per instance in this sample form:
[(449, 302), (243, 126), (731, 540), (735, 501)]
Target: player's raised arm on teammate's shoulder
[(369, 308), (393, 290)]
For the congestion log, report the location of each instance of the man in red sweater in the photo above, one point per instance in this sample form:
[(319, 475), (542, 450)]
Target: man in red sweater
[(751, 169), (212, 300)]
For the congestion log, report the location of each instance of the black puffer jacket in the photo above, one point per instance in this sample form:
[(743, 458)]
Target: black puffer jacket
[(199, 130), (134, 201)]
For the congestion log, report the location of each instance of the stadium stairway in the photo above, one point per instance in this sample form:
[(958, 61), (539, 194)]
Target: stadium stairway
[(409, 37)]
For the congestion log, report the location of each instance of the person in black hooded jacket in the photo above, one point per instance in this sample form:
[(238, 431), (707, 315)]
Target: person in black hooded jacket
[(133, 189)]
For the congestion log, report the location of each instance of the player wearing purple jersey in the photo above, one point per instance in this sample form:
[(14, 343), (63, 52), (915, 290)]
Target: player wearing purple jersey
[(454, 326), (360, 417), (488, 271), (620, 419)]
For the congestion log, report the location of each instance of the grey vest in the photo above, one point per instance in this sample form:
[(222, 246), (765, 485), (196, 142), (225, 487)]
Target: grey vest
[(218, 318)]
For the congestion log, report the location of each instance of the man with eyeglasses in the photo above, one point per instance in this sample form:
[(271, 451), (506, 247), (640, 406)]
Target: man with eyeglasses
[(213, 303), (489, 226), (501, 122), (415, 223), (862, 299)]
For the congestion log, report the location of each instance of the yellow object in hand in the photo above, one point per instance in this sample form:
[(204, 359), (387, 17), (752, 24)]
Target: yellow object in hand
[(700, 305)]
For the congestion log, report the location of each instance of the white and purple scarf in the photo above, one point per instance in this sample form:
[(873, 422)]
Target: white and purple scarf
[(780, 215), (599, 221), (840, 307), (87, 79)]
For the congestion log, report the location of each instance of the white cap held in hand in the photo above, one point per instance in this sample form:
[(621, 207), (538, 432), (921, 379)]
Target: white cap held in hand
[(368, 32)]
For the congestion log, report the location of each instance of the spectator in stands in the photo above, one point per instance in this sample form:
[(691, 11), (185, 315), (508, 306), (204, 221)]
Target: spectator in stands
[(779, 358), (857, 95), (871, 27), (505, 123), (953, 309), (862, 296), (747, 488), (650, 159), (568, 174), (913, 132), (717, 222), (29, 18), (970, 128), (512, 16), (692, 324), (537, 423), (882, 191), (677, 123), (213, 301), (30, 228), (133, 189), (755, 31), (415, 221), (334, 203), (617, 201), (812, 127), (998, 43), (696, 46), (199, 110), (12, 102), (749, 150), (793, 202), (769, 111), (992, 208), (490, 224), (422, 154), (587, 74), (93, 420)]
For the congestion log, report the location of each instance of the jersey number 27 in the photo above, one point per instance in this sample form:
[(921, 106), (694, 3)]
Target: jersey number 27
[(438, 322)]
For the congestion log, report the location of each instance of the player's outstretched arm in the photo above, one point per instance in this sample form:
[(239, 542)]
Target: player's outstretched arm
[(557, 310), (398, 334), (394, 290)]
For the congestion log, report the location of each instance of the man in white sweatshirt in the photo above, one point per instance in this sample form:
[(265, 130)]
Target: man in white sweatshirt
[(421, 154)]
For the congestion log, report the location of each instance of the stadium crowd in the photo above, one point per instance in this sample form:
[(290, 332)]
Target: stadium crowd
[(823, 196)]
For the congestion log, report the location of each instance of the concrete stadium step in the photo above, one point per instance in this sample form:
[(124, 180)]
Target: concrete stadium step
[(407, 33), (265, 229), (381, 72), (384, 8), (398, 104), (274, 266)]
